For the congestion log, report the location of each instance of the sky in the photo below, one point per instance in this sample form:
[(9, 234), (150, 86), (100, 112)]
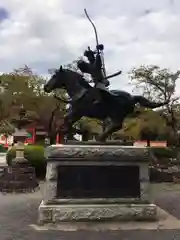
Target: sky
[(47, 33)]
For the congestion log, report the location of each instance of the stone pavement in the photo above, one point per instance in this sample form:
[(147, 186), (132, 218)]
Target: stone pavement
[(3, 160), (18, 212)]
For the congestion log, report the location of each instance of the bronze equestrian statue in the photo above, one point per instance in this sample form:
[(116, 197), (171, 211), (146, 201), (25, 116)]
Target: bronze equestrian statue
[(96, 102), (115, 105)]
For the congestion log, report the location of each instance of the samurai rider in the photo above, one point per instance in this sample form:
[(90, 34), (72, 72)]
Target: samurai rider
[(94, 67)]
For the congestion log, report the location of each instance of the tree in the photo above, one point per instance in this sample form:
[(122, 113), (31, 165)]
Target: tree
[(5, 102), (6, 128), (24, 87), (159, 85), (147, 125), (152, 126), (91, 125), (18, 90)]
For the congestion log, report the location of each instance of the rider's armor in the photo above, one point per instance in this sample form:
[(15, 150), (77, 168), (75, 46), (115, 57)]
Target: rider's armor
[(94, 68)]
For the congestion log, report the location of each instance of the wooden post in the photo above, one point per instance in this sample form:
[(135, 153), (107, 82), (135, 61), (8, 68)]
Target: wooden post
[(57, 139), (34, 135)]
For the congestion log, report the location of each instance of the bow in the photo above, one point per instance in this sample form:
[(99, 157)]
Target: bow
[(99, 48)]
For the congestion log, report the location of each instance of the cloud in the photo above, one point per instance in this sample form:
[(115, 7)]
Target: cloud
[(45, 34)]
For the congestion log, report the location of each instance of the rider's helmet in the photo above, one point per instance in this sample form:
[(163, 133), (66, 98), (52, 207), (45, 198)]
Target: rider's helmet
[(100, 47)]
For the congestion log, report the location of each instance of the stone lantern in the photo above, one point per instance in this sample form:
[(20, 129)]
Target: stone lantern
[(20, 136), (19, 176)]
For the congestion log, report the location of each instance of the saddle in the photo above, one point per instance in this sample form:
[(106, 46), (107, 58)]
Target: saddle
[(112, 93)]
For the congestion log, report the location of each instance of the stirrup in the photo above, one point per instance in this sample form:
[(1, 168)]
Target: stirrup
[(96, 101)]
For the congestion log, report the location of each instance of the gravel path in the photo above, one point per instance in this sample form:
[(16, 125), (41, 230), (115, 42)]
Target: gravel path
[(17, 212)]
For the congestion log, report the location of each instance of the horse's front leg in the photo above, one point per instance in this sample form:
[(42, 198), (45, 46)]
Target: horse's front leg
[(115, 126), (77, 111), (69, 120)]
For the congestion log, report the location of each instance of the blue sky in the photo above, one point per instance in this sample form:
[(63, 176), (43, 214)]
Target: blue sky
[(46, 33), (3, 14)]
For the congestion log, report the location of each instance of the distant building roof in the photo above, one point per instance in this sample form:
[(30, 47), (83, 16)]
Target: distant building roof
[(6, 126), (20, 133)]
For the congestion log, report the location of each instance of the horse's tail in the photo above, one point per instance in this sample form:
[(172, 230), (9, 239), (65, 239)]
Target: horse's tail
[(144, 102)]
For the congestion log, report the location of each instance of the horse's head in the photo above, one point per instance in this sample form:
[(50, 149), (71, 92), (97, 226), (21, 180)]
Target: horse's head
[(56, 81)]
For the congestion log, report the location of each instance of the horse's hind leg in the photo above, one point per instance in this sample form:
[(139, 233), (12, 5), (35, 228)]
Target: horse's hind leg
[(115, 126)]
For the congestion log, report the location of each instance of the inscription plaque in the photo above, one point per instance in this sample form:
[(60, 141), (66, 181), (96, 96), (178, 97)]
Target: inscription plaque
[(98, 182)]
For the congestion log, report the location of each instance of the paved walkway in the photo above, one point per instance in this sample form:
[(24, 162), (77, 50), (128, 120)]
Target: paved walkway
[(2, 159), (18, 212)]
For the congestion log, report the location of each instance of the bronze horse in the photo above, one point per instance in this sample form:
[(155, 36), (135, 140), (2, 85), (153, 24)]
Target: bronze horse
[(115, 105)]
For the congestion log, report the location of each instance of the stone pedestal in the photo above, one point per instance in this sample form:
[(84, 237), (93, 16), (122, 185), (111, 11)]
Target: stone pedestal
[(3, 163), (18, 178), (96, 182)]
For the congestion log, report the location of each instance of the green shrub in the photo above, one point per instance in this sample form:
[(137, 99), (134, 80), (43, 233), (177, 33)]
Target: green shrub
[(165, 152), (2, 148), (35, 155), (161, 166)]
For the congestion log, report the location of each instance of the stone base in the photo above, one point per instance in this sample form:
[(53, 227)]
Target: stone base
[(18, 178), (99, 212)]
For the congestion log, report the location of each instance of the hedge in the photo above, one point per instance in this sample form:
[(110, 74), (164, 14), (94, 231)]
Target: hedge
[(165, 152), (2, 149), (35, 155)]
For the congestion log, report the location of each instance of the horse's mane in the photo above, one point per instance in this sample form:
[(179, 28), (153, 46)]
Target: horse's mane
[(78, 76)]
